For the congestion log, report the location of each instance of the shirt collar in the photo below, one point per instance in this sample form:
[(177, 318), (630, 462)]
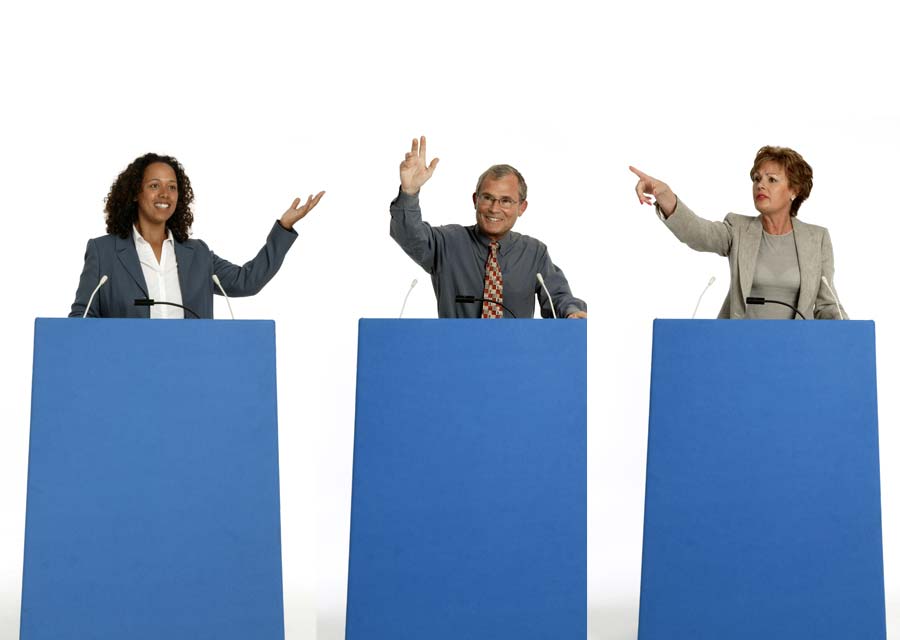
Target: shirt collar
[(138, 238), (506, 242)]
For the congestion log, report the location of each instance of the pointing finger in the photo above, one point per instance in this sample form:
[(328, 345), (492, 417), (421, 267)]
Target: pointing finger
[(639, 173)]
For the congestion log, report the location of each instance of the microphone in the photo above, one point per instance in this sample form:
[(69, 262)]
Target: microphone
[(102, 282), (460, 299), (755, 300), (149, 302), (703, 293), (540, 280), (215, 280), (412, 285), (825, 282)]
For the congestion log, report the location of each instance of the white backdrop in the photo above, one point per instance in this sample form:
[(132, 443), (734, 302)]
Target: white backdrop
[(264, 101)]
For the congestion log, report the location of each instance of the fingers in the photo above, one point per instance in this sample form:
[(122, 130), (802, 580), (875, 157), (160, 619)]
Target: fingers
[(298, 211), (417, 149), (434, 161), (313, 201), (640, 174), (412, 156), (642, 191), (416, 154), (644, 186), (415, 170)]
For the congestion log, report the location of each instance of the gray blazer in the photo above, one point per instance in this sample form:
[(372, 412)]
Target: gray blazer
[(117, 258), (738, 237)]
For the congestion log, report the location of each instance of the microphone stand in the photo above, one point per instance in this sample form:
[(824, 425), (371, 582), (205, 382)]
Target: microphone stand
[(471, 299), (755, 300), (149, 302)]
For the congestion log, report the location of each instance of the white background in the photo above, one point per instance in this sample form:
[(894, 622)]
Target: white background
[(264, 101)]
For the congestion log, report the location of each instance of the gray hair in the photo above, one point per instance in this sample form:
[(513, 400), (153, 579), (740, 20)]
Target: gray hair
[(501, 171)]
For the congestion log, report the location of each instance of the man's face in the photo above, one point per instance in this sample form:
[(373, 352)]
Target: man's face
[(497, 206)]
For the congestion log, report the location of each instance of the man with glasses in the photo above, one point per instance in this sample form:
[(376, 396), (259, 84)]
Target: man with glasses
[(485, 270)]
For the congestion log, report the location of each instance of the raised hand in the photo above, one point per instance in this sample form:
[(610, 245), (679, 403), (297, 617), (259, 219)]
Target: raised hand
[(296, 211), (648, 186), (414, 172)]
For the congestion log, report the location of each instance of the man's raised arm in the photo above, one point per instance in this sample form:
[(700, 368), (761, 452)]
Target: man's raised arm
[(416, 237)]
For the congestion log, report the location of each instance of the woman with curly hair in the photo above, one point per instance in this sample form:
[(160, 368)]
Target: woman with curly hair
[(774, 257), (147, 253)]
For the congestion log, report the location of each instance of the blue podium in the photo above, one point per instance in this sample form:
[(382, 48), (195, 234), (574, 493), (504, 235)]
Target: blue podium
[(153, 498), (469, 481), (762, 512)]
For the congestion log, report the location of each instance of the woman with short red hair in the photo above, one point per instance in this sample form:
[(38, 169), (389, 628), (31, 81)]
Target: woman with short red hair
[(783, 267)]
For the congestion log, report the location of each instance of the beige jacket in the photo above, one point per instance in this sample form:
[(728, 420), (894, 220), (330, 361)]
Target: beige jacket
[(738, 237)]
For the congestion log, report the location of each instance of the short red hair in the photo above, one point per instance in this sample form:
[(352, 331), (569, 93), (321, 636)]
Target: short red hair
[(797, 170)]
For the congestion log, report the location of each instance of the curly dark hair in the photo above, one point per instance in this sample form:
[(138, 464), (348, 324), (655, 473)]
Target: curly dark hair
[(121, 202), (798, 171)]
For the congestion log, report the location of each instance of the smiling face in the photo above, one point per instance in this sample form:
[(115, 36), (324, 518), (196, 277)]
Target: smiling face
[(158, 195), (497, 206), (772, 192)]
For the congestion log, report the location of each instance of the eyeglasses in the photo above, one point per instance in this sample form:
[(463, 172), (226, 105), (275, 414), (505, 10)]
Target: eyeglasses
[(488, 201)]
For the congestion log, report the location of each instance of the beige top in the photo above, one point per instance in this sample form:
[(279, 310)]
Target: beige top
[(777, 277), (738, 237)]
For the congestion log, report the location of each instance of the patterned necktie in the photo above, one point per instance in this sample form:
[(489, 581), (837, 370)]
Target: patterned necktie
[(493, 285)]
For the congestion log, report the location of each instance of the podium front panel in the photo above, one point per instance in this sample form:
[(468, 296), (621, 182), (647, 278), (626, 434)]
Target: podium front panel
[(153, 501), (762, 513), (469, 481)]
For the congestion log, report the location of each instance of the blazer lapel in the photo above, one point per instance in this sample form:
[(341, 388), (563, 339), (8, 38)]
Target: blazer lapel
[(747, 255), (806, 257), (127, 255), (184, 256)]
